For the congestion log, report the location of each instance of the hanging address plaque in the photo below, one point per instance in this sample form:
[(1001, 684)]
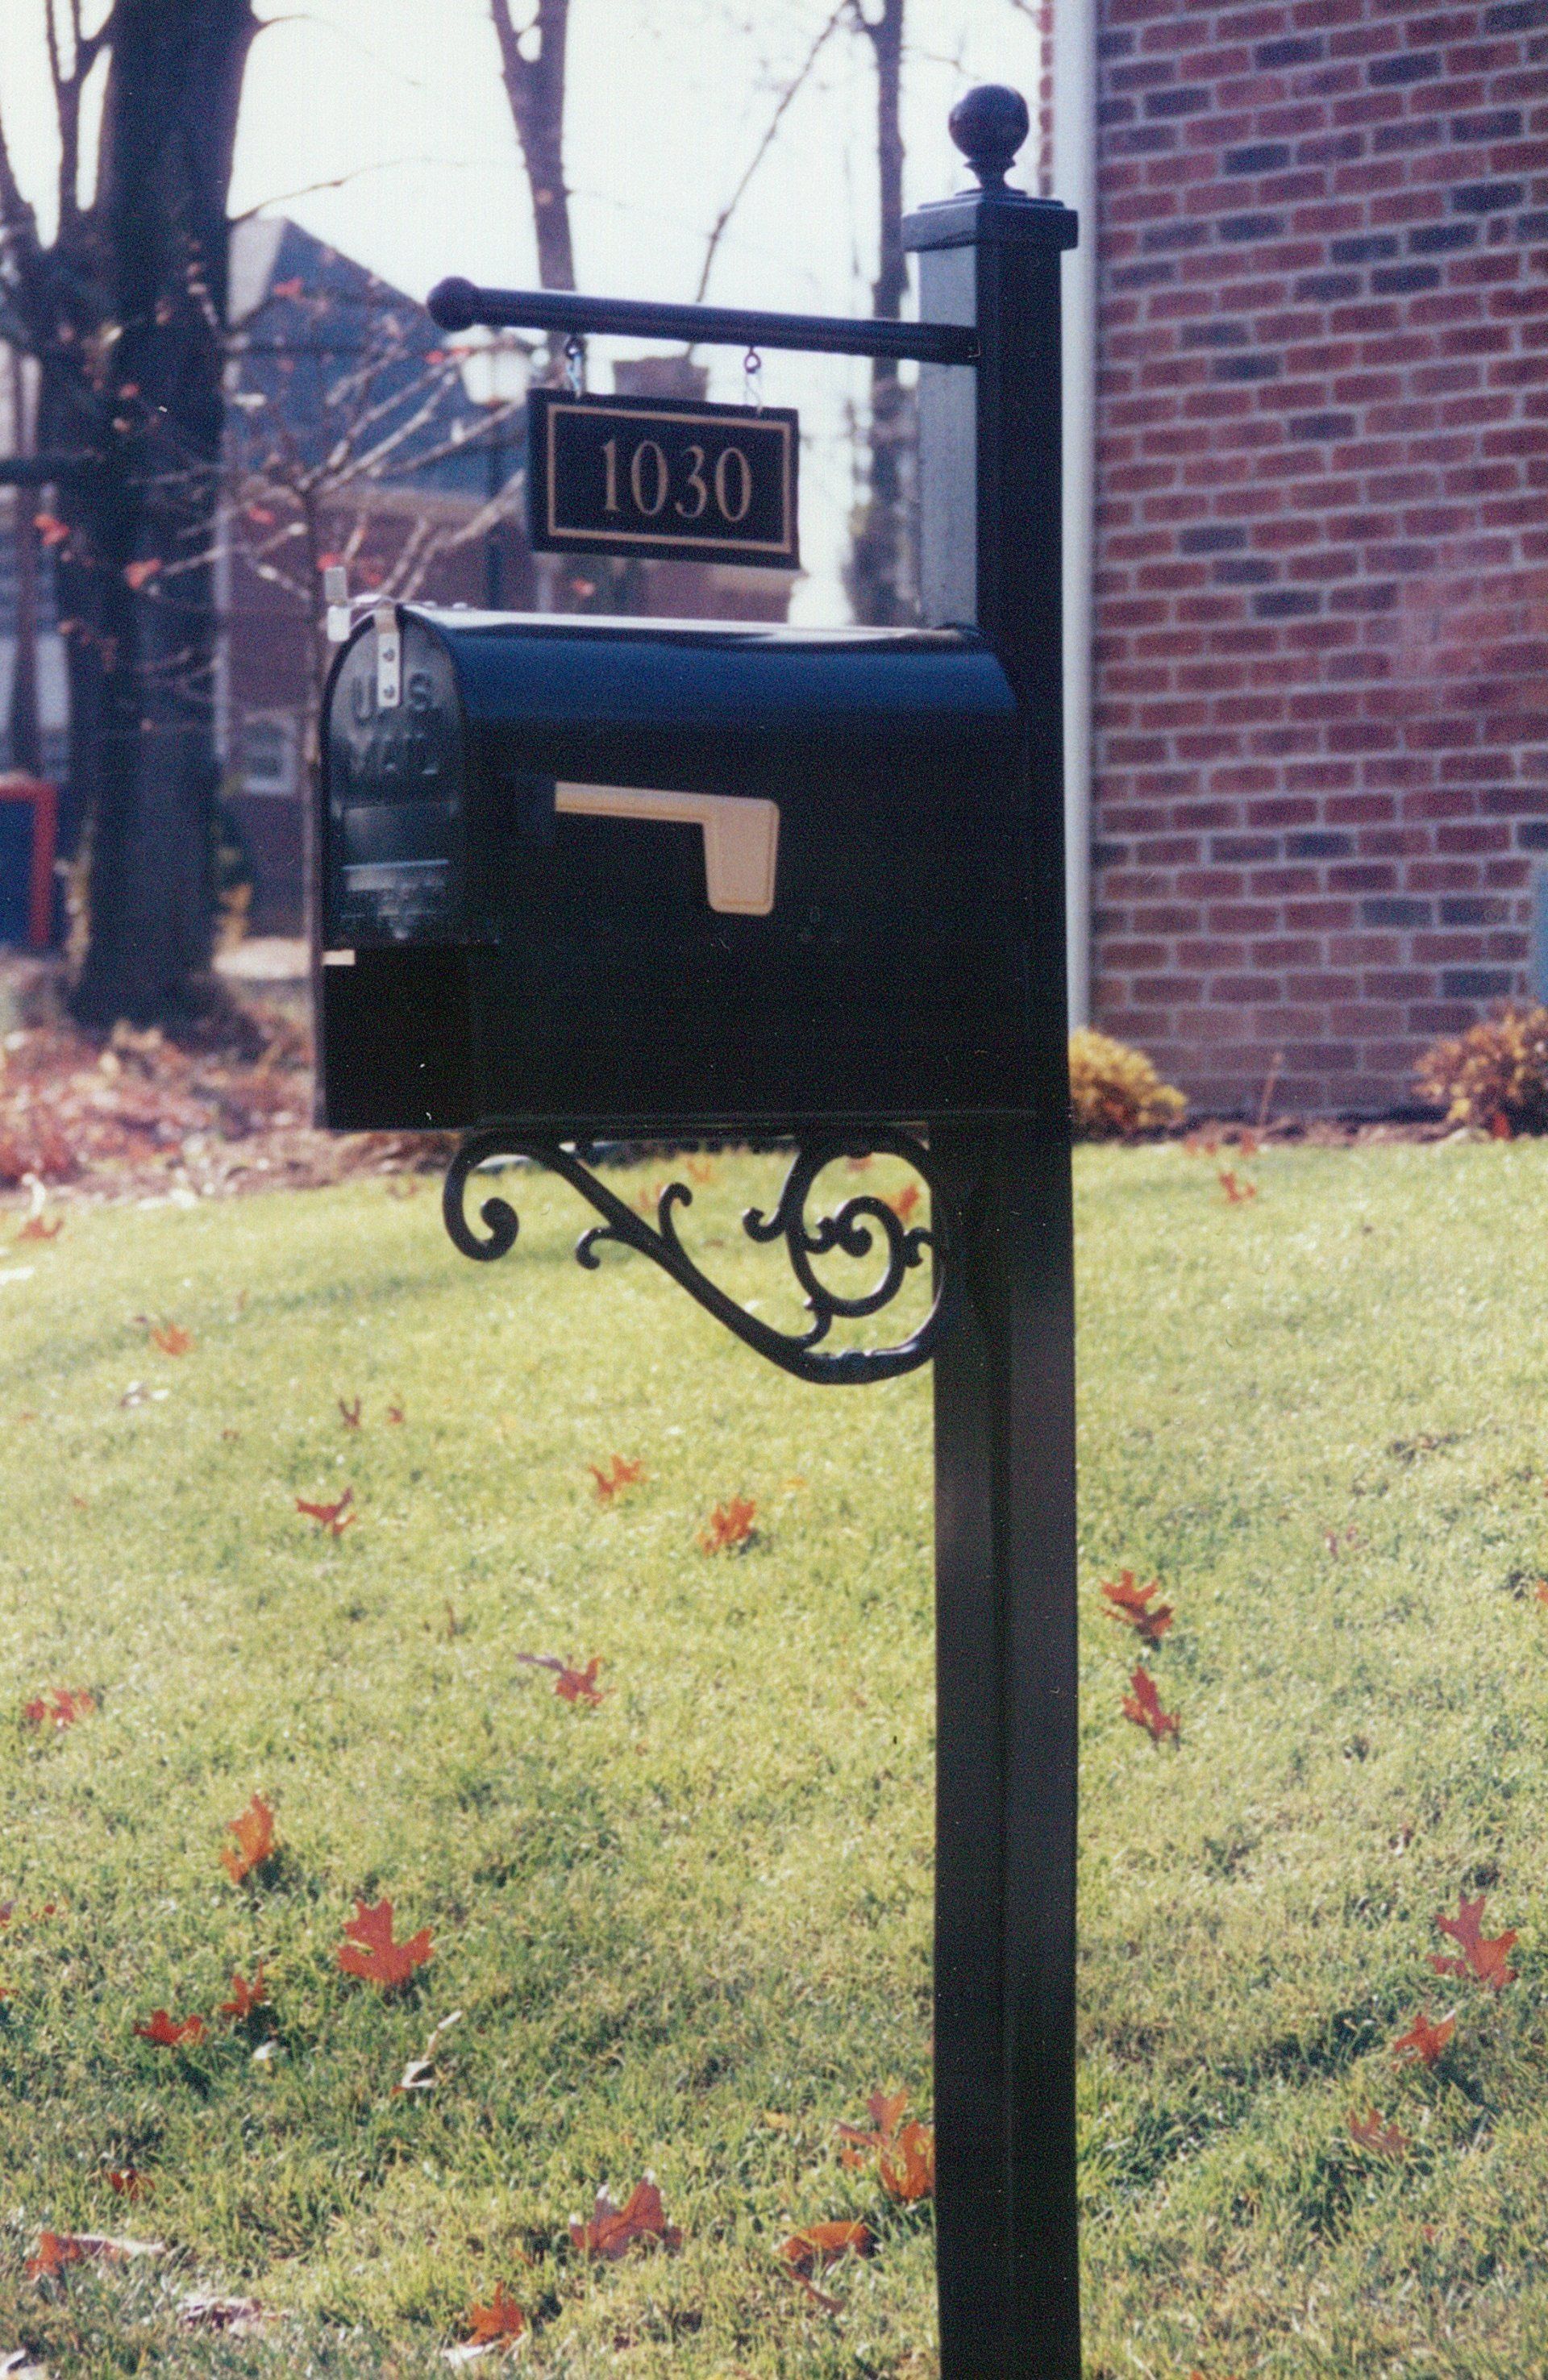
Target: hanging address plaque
[(662, 478)]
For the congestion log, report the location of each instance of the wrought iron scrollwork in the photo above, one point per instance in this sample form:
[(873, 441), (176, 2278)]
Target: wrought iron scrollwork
[(864, 1221)]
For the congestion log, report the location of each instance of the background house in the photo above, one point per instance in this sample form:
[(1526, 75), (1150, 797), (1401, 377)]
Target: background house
[(352, 437)]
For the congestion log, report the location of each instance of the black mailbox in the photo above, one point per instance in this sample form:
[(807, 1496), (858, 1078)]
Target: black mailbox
[(640, 875)]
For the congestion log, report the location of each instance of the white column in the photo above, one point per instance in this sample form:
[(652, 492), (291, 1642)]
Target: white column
[(1074, 176)]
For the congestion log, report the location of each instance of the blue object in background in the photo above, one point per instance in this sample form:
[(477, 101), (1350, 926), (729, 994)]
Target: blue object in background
[(16, 829)]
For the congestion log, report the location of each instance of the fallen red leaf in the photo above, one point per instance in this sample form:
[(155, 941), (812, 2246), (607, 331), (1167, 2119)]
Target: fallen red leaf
[(139, 574), (32, 1916), (1369, 2132), (336, 1518), (171, 1338), (1236, 1191), (908, 2165), (1482, 1959), (246, 1997), (351, 1414), (886, 2117), (60, 1708), (501, 2318), (619, 1474), (818, 2246), (55, 2250), (254, 1831), (394, 1414), (905, 2159), (571, 1685), (1143, 1707), (36, 1227), (728, 1525), (52, 531), (128, 2183), (904, 1202), (370, 1951), (1424, 2040), (170, 2032), (613, 2231), (1131, 1603)]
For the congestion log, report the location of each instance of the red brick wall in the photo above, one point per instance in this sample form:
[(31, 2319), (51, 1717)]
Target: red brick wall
[(1323, 534)]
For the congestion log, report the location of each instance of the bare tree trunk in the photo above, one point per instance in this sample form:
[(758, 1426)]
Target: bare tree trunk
[(879, 571), (168, 131), (26, 742), (532, 66)]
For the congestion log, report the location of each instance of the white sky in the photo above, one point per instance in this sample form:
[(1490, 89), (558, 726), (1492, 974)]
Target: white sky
[(668, 101)]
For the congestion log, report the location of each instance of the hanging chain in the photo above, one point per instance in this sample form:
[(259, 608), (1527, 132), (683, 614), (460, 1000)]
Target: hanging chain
[(753, 379), (575, 357)]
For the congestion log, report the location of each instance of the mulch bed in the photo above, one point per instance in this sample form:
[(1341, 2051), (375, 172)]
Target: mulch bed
[(132, 1116)]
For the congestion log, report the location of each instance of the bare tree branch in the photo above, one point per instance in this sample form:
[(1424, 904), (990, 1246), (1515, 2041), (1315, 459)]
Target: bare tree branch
[(338, 181), (775, 120), (535, 87)]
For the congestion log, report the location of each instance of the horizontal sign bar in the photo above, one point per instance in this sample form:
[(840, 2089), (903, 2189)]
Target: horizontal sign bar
[(457, 305), (660, 478)]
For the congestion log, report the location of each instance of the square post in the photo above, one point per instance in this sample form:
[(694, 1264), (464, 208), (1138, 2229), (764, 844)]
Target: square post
[(1005, 1378)]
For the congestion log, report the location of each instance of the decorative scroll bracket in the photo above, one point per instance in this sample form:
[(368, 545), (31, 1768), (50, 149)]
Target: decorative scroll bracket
[(850, 1231)]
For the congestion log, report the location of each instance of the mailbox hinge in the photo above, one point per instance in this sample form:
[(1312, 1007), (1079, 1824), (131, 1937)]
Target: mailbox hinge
[(389, 657)]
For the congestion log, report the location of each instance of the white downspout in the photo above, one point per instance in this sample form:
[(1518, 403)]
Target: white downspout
[(1073, 178)]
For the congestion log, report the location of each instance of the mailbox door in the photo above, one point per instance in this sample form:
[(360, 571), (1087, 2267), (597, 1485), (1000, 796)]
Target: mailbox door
[(395, 836)]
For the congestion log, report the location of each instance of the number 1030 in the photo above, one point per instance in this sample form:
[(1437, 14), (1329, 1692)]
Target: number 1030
[(652, 482)]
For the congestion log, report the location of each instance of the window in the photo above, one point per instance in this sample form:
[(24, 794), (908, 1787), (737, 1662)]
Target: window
[(268, 753)]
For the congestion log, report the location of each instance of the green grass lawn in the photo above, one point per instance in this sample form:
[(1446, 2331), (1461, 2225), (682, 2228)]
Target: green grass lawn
[(688, 1931)]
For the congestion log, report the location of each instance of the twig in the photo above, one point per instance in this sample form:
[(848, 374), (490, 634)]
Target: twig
[(789, 93)]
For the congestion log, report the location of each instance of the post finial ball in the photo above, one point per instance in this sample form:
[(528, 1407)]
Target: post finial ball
[(989, 124)]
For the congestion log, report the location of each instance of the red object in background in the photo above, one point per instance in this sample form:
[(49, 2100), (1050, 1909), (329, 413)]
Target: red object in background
[(44, 799)]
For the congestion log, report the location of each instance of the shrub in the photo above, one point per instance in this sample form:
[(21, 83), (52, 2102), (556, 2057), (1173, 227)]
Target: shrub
[(1114, 1092), (1496, 1074)]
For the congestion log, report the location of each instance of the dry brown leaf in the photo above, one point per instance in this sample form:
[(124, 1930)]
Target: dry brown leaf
[(613, 2231), (254, 1845)]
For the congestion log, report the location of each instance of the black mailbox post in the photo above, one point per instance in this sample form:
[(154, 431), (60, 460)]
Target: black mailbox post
[(587, 879)]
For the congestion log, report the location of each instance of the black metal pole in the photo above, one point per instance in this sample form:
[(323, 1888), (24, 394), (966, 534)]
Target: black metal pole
[(1005, 1385)]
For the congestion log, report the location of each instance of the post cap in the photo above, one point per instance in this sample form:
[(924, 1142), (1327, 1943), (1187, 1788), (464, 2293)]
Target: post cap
[(989, 124)]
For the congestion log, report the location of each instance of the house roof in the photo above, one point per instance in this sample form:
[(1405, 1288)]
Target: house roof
[(326, 352)]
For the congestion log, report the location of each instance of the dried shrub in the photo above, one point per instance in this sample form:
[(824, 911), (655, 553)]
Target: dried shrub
[(1114, 1092), (1495, 1076)]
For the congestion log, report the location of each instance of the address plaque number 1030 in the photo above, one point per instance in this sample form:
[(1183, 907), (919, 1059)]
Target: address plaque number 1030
[(663, 478)]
